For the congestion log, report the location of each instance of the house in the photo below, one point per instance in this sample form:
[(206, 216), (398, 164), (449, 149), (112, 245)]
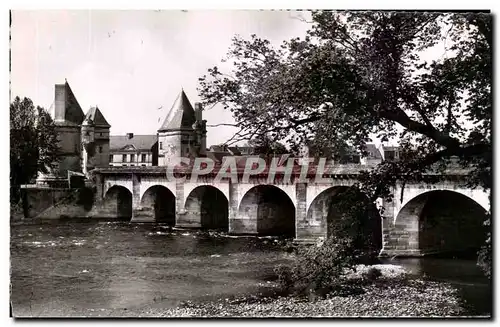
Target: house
[(391, 153), (133, 150), (373, 155)]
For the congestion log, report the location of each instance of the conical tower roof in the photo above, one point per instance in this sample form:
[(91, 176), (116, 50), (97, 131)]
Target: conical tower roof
[(181, 116), (66, 107), (95, 117)]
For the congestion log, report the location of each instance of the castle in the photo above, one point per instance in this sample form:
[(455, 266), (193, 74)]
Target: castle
[(84, 139)]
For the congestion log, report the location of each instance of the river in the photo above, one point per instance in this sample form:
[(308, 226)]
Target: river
[(77, 269)]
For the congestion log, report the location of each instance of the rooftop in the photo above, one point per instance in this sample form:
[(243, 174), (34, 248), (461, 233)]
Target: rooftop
[(95, 116), (135, 142), (181, 116)]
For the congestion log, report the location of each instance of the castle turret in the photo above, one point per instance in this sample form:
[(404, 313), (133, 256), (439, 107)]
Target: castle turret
[(68, 116), (95, 140), (176, 135)]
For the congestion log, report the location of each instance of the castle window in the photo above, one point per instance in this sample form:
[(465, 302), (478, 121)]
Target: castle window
[(124, 158), (161, 145)]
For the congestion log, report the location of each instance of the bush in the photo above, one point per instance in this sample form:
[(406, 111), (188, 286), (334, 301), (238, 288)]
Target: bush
[(322, 268), (485, 254), (372, 274)]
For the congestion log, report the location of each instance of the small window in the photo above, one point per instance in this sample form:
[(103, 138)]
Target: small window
[(143, 157), (132, 158), (110, 158), (124, 158), (132, 165), (143, 165), (124, 165), (100, 148), (87, 133), (100, 134), (161, 145)]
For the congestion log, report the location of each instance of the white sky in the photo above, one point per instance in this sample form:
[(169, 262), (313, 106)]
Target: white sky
[(130, 63)]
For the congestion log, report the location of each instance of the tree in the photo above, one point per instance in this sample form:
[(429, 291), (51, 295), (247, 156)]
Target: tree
[(267, 147), (356, 75), (33, 143)]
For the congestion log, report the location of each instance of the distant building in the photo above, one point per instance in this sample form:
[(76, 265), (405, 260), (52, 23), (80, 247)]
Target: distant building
[(391, 153), (232, 150), (373, 156), (133, 150)]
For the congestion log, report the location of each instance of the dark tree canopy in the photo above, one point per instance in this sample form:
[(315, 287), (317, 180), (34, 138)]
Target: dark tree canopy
[(33, 143), (267, 147), (362, 74), (421, 79)]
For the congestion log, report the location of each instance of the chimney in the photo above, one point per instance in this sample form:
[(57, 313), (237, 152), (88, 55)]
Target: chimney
[(130, 135), (198, 111)]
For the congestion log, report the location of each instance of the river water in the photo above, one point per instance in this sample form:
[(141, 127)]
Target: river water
[(81, 269)]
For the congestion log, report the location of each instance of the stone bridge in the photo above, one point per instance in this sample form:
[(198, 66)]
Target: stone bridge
[(438, 215)]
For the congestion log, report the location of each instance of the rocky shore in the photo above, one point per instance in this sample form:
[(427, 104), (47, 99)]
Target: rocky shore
[(416, 299), (394, 294)]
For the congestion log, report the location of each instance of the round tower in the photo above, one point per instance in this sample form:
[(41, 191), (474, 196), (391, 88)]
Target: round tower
[(176, 134), (88, 136)]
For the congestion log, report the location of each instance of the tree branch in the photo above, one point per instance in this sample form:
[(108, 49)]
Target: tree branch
[(400, 117), (222, 124)]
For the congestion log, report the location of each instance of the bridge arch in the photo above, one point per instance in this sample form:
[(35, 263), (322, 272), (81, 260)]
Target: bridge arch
[(412, 191), (268, 210), (318, 209), (112, 182), (118, 202), (159, 202), (211, 204), (326, 210), (441, 221)]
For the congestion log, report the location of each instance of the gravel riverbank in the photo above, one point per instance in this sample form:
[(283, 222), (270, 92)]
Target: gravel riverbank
[(402, 298)]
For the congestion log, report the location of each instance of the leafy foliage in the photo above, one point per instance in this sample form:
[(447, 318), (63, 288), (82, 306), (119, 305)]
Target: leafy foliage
[(359, 75), (266, 147), (485, 254), (33, 143), (363, 71), (321, 269)]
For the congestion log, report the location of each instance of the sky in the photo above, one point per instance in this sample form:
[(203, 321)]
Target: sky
[(130, 63)]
